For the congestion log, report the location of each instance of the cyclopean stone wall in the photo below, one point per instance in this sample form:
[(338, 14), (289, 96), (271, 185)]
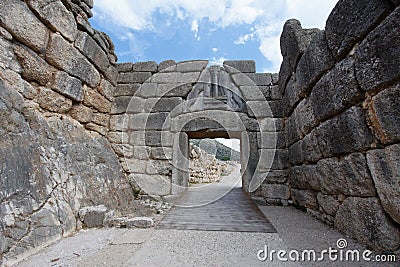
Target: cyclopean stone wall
[(343, 128), (78, 129), (57, 77)]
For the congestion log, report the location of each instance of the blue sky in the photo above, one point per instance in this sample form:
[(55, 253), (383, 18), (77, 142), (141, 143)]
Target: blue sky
[(216, 30)]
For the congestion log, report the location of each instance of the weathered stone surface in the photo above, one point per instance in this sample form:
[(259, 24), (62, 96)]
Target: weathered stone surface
[(118, 137), (84, 25), (277, 176), (152, 184), (385, 170), (92, 51), (6, 34), (156, 121), (314, 63), (171, 90), (304, 177), (384, 113), (16, 17), (271, 124), (96, 128), (126, 89), (68, 86), (350, 21), (375, 64), (155, 105), (101, 118), (310, 149), (328, 203), (53, 101), (275, 191), (120, 104), (34, 68), (93, 216), (145, 66), (106, 89), (260, 79), (365, 220), (7, 57), (140, 222), (133, 77), (191, 66), (57, 17), (119, 123), (94, 99), (81, 113), (66, 57), (124, 67), (349, 176), (305, 198), (163, 153), (167, 66), (294, 42), (345, 133), (305, 117), (279, 156), (336, 91), (245, 66), (14, 80)]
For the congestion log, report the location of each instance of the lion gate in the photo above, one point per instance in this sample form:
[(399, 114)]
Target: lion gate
[(177, 102)]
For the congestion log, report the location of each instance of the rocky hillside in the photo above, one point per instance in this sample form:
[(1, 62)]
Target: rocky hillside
[(205, 167), (214, 147)]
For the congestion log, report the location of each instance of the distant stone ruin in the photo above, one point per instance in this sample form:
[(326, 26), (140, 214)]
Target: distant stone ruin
[(79, 129)]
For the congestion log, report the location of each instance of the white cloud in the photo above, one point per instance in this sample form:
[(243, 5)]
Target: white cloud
[(266, 17), (215, 50), (244, 39), (195, 29)]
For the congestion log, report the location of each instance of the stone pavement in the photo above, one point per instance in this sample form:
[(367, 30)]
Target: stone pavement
[(204, 241), (217, 207)]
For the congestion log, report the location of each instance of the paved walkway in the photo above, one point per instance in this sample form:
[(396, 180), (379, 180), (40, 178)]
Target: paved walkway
[(217, 207)]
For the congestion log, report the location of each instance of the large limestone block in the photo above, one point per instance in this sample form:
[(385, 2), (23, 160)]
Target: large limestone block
[(384, 113), (376, 63), (192, 66), (88, 46), (94, 99), (365, 220), (294, 42), (64, 56), (315, 61), (385, 169), (16, 17), (304, 177), (68, 86), (345, 133), (57, 17), (155, 185), (245, 66), (277, 191), (133, 77), (53, 101), (34, 68), (350, 176), (150, 66), (351, 20), (336, 91), (305, 198)]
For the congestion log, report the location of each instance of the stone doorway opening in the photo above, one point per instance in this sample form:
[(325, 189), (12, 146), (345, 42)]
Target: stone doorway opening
[(212, 159)]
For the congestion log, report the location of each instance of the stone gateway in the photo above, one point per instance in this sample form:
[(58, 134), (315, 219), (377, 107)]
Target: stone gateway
[(79, 129)]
